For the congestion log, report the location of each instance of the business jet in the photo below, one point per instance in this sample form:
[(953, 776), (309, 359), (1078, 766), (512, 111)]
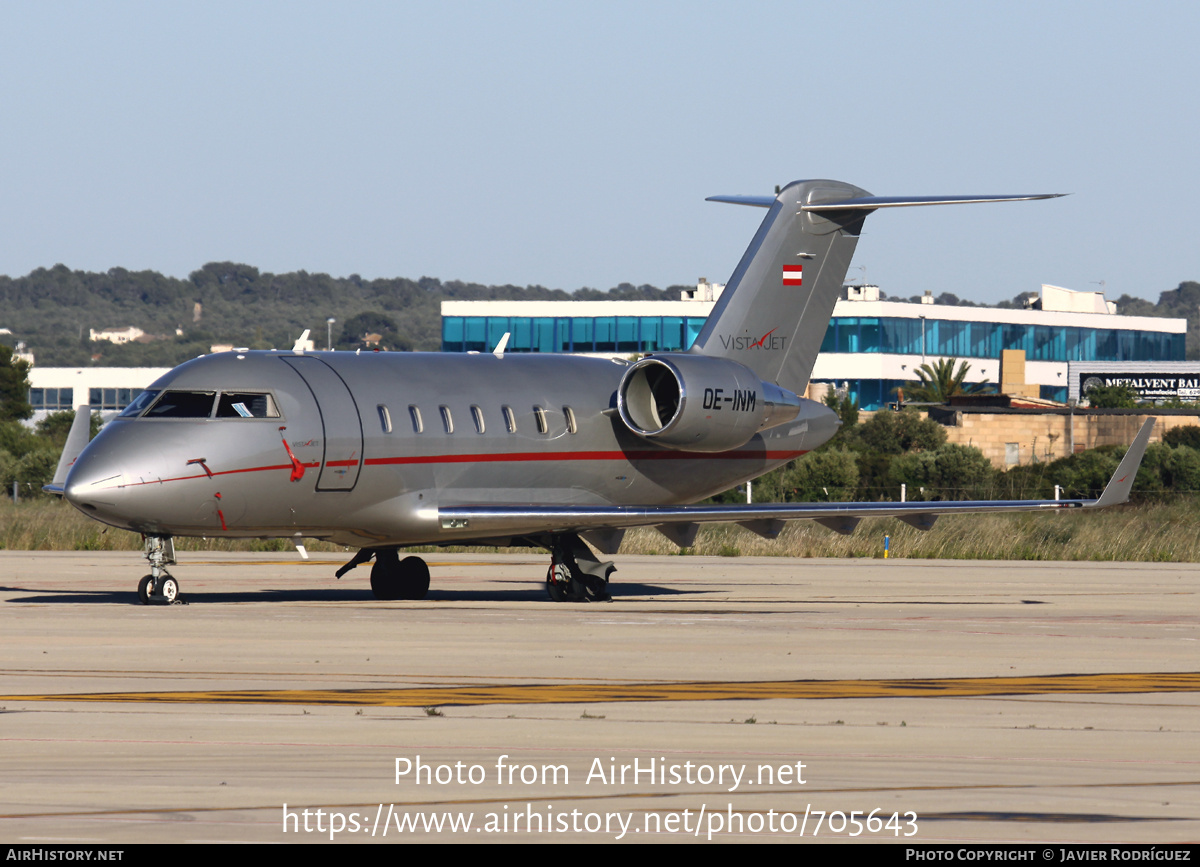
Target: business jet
[(382, 451)]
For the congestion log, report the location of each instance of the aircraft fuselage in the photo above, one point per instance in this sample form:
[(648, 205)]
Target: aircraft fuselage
[(362, 449)]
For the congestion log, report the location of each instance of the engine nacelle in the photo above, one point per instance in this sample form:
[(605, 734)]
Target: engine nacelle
[(700, 403)]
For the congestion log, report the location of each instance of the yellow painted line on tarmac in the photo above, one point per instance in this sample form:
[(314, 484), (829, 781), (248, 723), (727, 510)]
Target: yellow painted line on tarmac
[(558, 693)]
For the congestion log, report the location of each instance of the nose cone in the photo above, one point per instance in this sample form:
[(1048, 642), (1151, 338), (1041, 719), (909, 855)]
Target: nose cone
[(95, 486), (104, 481)]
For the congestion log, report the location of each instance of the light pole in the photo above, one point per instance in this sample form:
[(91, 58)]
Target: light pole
[(329, 332)]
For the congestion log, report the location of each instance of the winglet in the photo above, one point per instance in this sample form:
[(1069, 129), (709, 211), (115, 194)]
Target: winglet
[(77, 438), (1118, 487)]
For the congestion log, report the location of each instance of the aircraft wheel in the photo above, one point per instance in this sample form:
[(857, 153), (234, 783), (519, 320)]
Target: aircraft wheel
[(558, 584), (144, 589), (393, 578), (414, 578), (168, 589), (385, 583)]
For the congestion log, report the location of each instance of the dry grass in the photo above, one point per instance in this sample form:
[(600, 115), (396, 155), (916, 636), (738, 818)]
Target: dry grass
[(1158, 532), (1167, 532)]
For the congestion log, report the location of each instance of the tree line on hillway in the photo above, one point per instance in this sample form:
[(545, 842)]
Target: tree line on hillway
[(863, 462), (52, 309)]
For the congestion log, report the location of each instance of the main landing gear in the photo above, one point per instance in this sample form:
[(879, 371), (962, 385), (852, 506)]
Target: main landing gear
[(159, 588), (391, 577), (575, 575)]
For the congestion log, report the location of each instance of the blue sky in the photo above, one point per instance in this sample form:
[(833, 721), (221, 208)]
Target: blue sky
[(572, 144)]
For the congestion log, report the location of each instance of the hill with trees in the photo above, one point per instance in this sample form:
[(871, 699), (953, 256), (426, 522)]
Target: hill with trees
[(52, 310)]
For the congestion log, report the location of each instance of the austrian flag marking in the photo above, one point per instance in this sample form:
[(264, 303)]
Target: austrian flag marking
[(793, 275)]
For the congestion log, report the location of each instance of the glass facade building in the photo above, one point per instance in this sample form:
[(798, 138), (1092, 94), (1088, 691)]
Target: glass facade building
[(959, 339), (609, 334), (848, 334), (869, 348)]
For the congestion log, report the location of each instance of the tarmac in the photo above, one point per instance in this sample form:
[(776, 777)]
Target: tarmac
[(724, 699)]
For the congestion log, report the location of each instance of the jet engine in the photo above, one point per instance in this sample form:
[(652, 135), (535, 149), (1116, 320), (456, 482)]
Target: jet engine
[(700, 403)]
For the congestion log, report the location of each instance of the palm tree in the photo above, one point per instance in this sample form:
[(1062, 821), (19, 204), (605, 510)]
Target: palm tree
[(939, 381)]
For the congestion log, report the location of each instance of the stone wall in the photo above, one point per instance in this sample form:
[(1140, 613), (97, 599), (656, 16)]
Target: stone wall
[(1048, 436)]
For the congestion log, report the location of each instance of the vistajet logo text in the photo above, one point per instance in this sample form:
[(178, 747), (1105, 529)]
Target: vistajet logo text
[(770, 340)]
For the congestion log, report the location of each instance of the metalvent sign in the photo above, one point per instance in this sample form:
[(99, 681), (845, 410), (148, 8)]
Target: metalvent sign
[(1149, 386)]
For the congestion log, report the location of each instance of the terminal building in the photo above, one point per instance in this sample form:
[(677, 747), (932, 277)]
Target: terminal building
[(872, 347)]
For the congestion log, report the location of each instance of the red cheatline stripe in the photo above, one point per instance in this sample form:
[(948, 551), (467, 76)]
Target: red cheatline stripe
[(509, 457), (505, 457)]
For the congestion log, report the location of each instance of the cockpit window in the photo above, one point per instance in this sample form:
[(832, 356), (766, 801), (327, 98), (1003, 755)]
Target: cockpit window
[(183, 404), (140, 402), (241, 405)]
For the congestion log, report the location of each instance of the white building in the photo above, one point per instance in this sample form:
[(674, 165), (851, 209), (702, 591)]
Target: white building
[(104, 389), (116, 335), (871, 347)]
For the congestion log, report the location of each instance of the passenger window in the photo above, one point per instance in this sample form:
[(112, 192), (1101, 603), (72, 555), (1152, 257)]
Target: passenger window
[(447, 421), (540, 415), (477, 414), (183, 404), (569, 415), (241, 405), (510, 420), (385, 419), (414, 412)]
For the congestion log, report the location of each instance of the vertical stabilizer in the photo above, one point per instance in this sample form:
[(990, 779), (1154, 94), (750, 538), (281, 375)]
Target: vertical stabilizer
[(776, 307), (774, 312)]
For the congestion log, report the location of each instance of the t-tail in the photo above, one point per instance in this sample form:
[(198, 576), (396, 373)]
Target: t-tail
[(776, 307)]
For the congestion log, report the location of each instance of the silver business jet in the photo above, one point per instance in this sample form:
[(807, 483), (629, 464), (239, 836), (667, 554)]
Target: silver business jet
[(380, 451)]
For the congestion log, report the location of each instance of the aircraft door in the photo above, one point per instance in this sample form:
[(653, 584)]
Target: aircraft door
[(343, 446)]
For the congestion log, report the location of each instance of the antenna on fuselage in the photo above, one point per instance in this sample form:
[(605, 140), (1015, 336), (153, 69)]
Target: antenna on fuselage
[(499, 350), (298, 346)]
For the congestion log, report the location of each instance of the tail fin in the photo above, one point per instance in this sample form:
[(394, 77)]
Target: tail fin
[(776, 307)]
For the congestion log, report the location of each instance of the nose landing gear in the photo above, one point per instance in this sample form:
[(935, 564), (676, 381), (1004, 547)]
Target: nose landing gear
[(159, 588)]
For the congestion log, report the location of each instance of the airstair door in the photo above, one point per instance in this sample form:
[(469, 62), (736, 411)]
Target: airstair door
[(343, 441)]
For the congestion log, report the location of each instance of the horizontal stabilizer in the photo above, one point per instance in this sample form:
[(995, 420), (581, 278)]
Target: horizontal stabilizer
[(753, 201), (870, 203)]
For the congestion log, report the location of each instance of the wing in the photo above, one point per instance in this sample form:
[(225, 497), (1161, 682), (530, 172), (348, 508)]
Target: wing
[(766, 519)]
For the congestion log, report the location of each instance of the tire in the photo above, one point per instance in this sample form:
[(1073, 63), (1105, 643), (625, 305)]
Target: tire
[(383, 580), (144, 589), (413, 578), (559, 590), (168, 589)]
